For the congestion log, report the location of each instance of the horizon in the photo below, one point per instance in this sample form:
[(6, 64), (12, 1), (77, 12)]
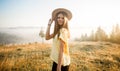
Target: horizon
[(72, 31)]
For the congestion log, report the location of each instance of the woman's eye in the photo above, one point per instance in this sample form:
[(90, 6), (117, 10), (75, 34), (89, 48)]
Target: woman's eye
[(58, 17)]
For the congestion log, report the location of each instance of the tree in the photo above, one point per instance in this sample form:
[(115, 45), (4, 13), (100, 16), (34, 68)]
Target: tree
[(100, 35), (92, 36), (41, 34), (84, 37), (115, 34)]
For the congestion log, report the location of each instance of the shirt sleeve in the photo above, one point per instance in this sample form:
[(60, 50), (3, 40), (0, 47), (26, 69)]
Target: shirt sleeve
[(63, 35)]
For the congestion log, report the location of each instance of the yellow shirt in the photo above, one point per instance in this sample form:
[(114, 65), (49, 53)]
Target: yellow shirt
[(55, 47)]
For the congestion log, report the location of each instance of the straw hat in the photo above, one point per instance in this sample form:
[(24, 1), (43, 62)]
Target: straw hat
[(69, 14)]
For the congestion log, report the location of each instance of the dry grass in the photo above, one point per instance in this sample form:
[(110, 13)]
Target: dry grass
[(85, 56)]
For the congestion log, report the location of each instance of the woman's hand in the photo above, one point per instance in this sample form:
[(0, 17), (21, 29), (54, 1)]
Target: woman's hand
[(50, 22), (48, 35)]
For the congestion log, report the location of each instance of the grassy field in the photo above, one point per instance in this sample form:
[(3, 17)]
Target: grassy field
[(85, 56)]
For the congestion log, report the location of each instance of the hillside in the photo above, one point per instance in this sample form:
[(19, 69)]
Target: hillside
[(85, 56)]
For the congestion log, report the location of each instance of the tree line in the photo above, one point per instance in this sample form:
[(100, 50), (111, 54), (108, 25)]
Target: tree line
[(100, 35)]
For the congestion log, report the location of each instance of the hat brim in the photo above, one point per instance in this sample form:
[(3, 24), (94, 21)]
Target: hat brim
[(69, 14)]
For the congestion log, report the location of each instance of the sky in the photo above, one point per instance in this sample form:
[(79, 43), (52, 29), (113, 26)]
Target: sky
[(88, 15)]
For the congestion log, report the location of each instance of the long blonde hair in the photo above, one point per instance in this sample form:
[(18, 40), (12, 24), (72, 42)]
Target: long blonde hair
[(57, 27)]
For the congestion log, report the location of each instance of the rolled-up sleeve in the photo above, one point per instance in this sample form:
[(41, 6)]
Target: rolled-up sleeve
[(63, 35)]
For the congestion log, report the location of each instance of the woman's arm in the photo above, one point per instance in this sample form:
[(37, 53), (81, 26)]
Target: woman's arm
[(60, 55), (48, 35)]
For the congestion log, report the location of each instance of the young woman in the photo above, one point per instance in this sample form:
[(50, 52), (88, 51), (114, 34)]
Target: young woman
[(60, 50)]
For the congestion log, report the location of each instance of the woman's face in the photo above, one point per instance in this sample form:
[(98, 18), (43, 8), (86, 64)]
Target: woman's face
[(60, 19)]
